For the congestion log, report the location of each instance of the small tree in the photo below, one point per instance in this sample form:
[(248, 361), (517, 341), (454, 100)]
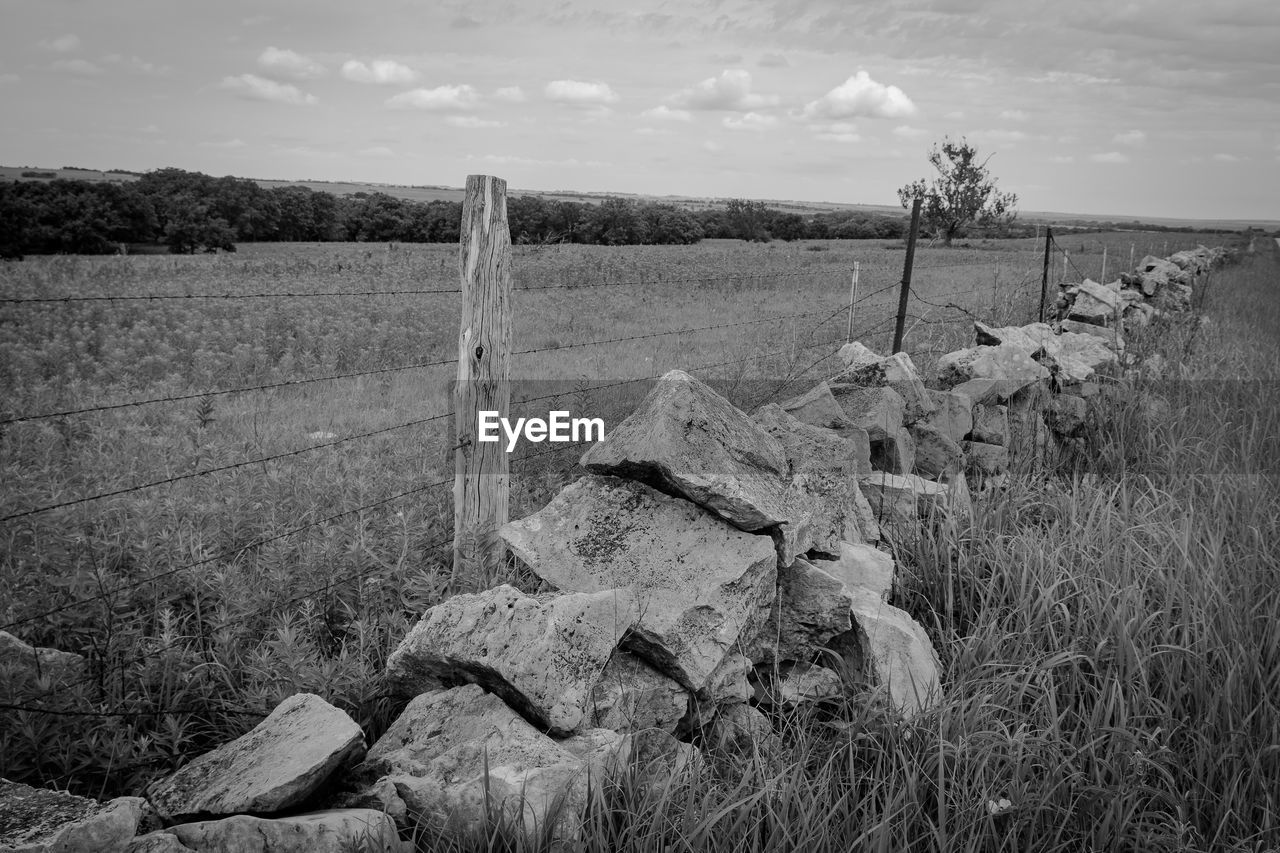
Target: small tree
[(963, 192)]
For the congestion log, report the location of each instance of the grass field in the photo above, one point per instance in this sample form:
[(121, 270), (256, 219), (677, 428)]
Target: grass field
[(1109, 640)]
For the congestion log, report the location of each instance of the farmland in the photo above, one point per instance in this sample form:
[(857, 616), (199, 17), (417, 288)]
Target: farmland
[(1132, 601)]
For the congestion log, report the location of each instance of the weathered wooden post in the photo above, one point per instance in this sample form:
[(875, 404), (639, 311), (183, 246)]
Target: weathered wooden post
[(853, 299), (481, 469), (1044, 278), (906, 277)]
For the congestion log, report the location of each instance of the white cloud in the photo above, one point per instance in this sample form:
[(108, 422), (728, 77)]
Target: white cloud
[(75, 66), (151, 128), (256, 88), (861, 96), (665, 113), (1062, 158), (385, 71), (230, 143), (1000, 137), (512, 160), (906, 131), (440, 99), (62, 44), (837, 131), (5, 79), (377, 151), (1226, 158), (579, 94), (510, 94), (1109, 157), (750, 121), (1013, 115), (138, 64), (712, 146), (1133, 138), (729, 91), (290, 63), (472, 122), (954, 115), (773, 60)]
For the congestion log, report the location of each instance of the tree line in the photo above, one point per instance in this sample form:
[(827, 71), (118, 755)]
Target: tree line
[(192, 212)]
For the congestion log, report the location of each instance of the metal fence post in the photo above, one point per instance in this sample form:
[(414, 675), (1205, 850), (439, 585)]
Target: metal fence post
[(906, 277), (1044, 278)]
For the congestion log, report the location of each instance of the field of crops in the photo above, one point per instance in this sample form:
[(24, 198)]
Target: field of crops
[(296, 530)]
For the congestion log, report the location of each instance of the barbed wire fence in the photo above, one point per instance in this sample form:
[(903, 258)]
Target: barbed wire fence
[(803, 346)]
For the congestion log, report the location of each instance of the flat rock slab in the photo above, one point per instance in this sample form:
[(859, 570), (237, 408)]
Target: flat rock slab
[(631, 696), (879, 411), (1006, 364), (336, 831), (906, 499), (35, 820), (806, 683), (542, 654), (812, 607), (952, 414), (23, 664), (936, 453), (991, 424), (817, 407), (687, 440), (698, 581), (869, 370), (450, 750), (861, 567), (898, 654), (278, 764)]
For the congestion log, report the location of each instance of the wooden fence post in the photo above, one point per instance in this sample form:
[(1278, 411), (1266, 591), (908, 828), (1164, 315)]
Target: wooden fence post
[(853, 299), (906, 277), (481, 481), (1044, 278)]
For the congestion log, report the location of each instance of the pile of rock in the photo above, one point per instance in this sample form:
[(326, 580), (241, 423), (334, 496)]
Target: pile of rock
[(1156, 286)]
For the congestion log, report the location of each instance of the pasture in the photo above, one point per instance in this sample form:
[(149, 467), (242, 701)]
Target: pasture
[(1104, 637)]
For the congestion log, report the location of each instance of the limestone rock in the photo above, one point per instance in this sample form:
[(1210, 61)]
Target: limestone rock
[(335, 831), (878, 411), (1066, 415), (898, 654), (991, 424), (985, 392), (1095, 303), (22, 664), (157, 842), (895, 453), (729, 682), (952, 414), (698, 581), (34, 820), (743, 729), (865, 369), (812, 607), (985, 460), (1028, 435), (817, 407), (542, 654), (936, 453), (687, 440), (1007, 365), (861, 567), (1077, 356), (905, 499), (632, 696), (281, 762), (436, 753), (804, 683), (824, 468), (1108, 336)]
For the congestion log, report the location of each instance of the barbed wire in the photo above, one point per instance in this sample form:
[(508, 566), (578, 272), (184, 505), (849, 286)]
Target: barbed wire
[(287, 383), (691, 279), (157, 297), (222, 555), (219, 469)]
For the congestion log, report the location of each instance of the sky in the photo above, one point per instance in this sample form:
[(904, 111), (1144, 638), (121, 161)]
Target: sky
[(1165, 108)]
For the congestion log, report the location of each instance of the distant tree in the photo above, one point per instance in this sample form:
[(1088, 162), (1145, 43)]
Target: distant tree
[(748, 220), (667, 224), (615, 222), (961, 193), (788, 226)]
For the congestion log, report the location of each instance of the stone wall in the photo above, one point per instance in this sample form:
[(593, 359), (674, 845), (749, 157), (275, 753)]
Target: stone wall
[(710, 568)]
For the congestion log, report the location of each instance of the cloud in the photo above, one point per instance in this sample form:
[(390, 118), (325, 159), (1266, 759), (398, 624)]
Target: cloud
[(712, 146), (377, 151), (906, 131), (1109, 157), (472, 122), (1013, 115), (62, 44), (464, 22), (664, 113), (138, 64), (255, 88), (726, 58), (151, 128), (579, 94), (1062, 158), (750, 121), (512, 160), (731, 90), (383, 71), (1132, 138), (440, 99), (290, 64), (230, 143), (1000, 136), (1226, 158), (773, 60), (6, 79), (861, 96), (839, 131), (75, 66), (510, 94)]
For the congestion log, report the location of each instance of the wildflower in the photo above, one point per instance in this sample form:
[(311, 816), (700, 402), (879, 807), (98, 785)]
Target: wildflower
[(999, 806)]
